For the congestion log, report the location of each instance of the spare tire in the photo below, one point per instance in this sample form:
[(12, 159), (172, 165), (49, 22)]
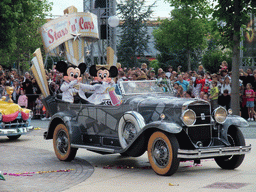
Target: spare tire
[(129, 126)]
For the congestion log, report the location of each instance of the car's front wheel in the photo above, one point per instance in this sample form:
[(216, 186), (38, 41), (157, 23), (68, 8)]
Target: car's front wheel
[(62, 144), (162, 153), (235, 138)]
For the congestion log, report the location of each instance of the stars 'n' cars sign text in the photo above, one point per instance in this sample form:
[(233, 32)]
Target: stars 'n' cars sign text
[(75, 25)]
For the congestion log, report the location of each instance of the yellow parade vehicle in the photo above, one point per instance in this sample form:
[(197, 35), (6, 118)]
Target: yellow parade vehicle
[(14, 120)]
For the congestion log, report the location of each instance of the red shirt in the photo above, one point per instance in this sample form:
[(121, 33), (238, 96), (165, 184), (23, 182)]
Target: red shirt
[(250, 93), (202, 81)]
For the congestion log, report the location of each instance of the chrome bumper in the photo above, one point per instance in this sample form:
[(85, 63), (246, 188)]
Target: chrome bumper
[(16, 131), (213, 152)]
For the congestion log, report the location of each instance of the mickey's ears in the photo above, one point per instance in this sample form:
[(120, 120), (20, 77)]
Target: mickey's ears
[(82, 67), (93, 71), (62, 66)]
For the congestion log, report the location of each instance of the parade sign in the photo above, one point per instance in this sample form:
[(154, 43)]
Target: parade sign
[(69, 26)]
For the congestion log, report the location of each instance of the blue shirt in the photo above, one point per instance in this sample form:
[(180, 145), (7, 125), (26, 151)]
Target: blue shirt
[(184, 84)]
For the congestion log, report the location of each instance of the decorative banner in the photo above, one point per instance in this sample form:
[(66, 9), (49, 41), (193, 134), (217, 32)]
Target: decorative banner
[(39, 72), (70, 26)]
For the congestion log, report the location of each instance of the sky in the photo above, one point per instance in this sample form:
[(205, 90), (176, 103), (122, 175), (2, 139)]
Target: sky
[(162, 9)]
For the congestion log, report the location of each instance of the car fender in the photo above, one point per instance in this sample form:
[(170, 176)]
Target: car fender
[(169, 127), (138, 122), (66, 118), (232, 120), (236, 120)]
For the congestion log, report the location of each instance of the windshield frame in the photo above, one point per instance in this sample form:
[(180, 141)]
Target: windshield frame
[(123, 92)]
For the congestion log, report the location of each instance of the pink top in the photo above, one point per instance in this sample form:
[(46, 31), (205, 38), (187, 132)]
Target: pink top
[(23, 101), (250, 93)]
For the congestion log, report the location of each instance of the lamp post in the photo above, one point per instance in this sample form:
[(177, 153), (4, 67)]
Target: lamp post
[(113, 21)]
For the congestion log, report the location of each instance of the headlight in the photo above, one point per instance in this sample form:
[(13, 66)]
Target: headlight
[(30, 114), (189, 117), (220, 115), (1, 116), (2, 125)]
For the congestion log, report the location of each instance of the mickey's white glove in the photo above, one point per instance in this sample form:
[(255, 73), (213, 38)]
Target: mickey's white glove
[(72, 83)]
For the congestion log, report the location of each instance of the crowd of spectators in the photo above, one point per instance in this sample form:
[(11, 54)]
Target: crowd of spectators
[(212, 87)]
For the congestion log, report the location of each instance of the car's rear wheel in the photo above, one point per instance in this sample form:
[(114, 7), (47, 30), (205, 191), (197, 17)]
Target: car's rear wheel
[(62, 144), (235, 138), (162, 153), (14, 137)]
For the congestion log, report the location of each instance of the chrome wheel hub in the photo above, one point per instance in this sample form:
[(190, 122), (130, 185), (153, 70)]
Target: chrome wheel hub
[(62, 142), (160, 153), (129, 132)]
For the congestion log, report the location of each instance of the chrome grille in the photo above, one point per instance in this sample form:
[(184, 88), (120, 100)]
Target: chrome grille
[(203, 114), (17, 123), (201, 132)]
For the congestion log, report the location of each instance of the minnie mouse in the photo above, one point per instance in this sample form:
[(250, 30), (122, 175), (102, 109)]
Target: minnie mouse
[(102, 74), (71, 87)]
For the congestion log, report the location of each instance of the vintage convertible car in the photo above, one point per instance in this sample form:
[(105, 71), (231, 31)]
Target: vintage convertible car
[(14, 120), (149, 119)]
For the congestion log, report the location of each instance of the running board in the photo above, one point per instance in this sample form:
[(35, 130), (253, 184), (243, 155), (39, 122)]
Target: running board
[(93, 148)]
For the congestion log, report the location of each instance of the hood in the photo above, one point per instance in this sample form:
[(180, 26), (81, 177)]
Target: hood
[(151, 107), (138, 102), (8, 108), (10, 111)]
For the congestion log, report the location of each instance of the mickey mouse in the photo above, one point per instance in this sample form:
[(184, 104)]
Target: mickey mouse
[(71, 87), (102, 74)]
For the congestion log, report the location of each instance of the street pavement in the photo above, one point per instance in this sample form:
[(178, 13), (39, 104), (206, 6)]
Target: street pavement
[(94, 172)]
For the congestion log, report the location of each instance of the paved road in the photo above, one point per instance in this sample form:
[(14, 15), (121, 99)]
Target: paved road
[(250, 132), (94, 172), (32, 154)]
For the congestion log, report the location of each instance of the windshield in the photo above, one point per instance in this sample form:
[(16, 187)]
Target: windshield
[(145, 87)]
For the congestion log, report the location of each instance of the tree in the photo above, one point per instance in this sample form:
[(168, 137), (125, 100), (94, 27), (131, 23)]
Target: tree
[(20, 20), (212, 59), (234, 14), (186, 29), (134, 37), (174, 58)]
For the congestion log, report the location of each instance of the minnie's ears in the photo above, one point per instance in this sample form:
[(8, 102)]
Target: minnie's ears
[(113, 71)]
